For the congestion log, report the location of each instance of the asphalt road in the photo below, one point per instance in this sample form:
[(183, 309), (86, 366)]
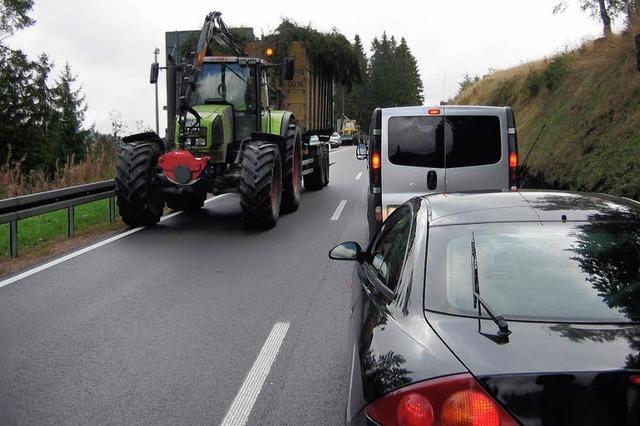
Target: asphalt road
[(164, 325)]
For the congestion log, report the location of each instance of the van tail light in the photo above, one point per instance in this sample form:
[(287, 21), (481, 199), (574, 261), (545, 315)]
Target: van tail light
[(375, 161), (514, 160), (514, 167), (375, 153), (448, 401), (378, 212)]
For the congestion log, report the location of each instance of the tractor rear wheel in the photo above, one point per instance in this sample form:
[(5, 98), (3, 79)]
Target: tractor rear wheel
[(139, 203), (292, 175), (261, 185)]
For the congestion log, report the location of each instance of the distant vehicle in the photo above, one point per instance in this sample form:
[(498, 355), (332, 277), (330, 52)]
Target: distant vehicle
[(350, 131), (524, 304), (418, 150), (335, 140)]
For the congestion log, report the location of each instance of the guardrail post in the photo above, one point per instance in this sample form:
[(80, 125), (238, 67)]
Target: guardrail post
[(112, 209), (13, 238), (71, 221)]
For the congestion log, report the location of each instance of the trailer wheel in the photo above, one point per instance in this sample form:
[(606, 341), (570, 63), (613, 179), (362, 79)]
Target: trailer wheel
[(292, 175), (139, 204), (327, 164), (261, 185), (315, 181)]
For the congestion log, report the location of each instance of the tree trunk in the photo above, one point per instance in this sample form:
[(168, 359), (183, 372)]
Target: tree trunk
[(606, 19)]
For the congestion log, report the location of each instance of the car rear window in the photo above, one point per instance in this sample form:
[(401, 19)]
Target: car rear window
[(557, 272), (420, 141), (416, 141), (472, 141)]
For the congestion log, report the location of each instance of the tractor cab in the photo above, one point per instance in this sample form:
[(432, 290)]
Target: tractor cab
[(240, 83)]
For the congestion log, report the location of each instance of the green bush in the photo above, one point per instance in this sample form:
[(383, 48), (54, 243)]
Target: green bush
[(556, 72), (533, 83)]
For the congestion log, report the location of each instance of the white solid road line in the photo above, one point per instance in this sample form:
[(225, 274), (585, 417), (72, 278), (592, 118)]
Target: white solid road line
[(241, 406), (358, 176), (80, 252), (338, 212)]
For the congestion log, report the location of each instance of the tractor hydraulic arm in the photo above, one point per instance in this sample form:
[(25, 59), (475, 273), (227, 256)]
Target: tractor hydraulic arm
[(213, 30)]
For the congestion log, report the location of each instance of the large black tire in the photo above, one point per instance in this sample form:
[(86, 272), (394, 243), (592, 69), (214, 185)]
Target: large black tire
[(315, 181), (327, 164), (191, 203), (139, 204), (261, 185), (292, 173)]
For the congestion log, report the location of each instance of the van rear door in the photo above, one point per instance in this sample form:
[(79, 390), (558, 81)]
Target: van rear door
[(412, 155), (477, 151)]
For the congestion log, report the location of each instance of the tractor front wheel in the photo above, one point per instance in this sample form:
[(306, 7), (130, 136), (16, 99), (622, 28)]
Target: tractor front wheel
[(261, 185), (139, 203)]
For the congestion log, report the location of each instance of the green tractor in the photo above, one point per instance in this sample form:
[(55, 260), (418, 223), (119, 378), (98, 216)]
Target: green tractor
[(223, 136)]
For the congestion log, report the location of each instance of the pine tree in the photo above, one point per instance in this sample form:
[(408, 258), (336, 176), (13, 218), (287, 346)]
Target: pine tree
[(14, 16), (356, 102), (71, 107), (408, 81)]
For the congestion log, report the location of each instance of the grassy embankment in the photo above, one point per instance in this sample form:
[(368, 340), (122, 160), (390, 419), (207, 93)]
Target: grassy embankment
[(589, 100), (43, 232)]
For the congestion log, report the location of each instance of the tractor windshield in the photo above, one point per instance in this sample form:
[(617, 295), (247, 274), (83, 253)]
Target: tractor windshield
[(226, 82)]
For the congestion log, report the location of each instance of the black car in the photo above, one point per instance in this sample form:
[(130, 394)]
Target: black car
[(498, 309)]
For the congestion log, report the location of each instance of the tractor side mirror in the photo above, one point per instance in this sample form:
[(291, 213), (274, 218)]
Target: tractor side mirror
[(288, 68), (155, 71), (362, 151)]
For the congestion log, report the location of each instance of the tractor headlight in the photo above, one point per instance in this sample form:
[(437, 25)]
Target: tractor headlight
[(200, 142)]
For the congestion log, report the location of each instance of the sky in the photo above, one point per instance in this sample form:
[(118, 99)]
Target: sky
[(110, 44)]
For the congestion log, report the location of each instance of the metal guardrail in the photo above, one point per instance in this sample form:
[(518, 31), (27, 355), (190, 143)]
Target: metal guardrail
[(14, 209)]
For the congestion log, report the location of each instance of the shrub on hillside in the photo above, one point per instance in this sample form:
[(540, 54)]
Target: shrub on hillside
[(533, 83), (556, 72)]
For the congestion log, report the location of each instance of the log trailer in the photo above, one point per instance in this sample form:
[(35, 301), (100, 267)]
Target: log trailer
[(230, 130)]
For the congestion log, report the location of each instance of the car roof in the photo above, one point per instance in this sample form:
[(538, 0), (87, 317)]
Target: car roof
[(528, 206)]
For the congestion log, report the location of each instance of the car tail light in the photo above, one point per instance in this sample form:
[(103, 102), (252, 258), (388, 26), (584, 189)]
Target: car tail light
[(449, 401)]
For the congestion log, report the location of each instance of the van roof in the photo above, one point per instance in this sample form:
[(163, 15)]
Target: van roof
[(446, 108)]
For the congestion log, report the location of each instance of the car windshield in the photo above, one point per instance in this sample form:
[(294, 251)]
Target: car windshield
[(582, 272), (227, 83)]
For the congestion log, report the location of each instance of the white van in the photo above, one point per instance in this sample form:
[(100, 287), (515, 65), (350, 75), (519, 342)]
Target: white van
[(418, 150)]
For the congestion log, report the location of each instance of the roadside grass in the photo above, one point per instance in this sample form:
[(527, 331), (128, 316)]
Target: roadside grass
[(41, 231)]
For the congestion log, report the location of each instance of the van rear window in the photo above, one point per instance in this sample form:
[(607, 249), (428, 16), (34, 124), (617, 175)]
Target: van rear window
[(419, 141), (472, 140), (416, 141)]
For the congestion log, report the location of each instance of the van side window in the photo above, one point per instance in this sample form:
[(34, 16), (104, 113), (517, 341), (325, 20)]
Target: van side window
[(472, 140), (416, 141), (387, 256)]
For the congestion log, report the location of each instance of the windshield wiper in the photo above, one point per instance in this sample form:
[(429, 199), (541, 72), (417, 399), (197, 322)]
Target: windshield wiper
[(503, 326)]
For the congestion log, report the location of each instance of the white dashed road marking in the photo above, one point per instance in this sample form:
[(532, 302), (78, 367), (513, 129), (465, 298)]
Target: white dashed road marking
[(241, 406), (358, 176), (338, 212)]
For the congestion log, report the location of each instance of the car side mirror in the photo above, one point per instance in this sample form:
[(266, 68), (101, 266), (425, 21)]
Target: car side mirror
[(347, 251), (362, 151), (155, 71), (288, 68)]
